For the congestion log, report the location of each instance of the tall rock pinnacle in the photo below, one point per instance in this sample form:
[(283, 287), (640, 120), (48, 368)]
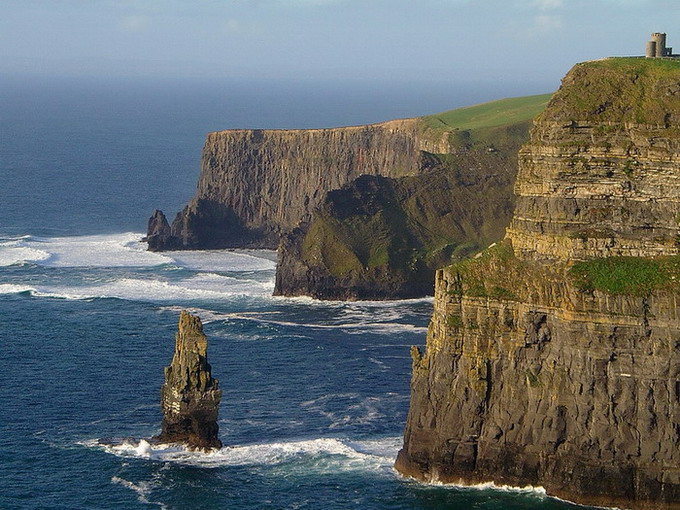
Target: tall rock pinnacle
[(190, 396)]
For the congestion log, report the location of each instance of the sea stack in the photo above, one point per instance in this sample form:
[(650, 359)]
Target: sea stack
[(190, 396), (553, 358)]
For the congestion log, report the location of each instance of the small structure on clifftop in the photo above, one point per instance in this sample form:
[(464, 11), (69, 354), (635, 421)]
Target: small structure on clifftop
[(190, 396), (656, 46)]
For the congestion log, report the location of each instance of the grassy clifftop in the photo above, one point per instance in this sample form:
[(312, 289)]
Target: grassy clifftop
[(486, 115), (638, 90), (502, 122)]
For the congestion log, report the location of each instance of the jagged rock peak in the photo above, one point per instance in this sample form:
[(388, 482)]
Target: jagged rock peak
[(159, 235), (190, 396)]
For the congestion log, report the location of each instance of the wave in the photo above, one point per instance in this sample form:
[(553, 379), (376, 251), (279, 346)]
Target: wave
[(143, 490), (123, 250), (392, 303), (369, 323), (198, 287), (223, 260), (311, 455)]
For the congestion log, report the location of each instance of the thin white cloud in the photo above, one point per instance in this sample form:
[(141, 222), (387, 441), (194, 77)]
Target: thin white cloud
[(134, 23), (547, 5), (546, 23)]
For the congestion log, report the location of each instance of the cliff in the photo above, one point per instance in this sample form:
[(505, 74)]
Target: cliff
[(382, 238), (257, 185), (190, 396), (552, 358)]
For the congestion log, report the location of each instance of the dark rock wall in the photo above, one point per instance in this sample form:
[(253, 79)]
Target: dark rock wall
[(256, 184), (530, 378)]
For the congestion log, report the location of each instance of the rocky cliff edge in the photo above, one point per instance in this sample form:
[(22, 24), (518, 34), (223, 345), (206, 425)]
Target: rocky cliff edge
[(553, 358)]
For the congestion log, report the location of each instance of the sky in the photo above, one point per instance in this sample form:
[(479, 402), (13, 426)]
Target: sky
[(532, 41)]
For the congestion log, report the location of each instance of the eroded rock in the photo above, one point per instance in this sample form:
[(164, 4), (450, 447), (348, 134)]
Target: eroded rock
[(190, 396)]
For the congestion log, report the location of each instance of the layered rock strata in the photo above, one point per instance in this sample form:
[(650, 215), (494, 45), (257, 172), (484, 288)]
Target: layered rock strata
[(542, 370), (256, 184), (190, 396)]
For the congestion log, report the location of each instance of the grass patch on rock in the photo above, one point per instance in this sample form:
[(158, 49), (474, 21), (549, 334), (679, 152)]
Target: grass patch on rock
[(632, 276)]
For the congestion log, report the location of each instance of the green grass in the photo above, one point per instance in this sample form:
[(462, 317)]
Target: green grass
[(632, 276), (636, 64), (486, 115), (616, 91)]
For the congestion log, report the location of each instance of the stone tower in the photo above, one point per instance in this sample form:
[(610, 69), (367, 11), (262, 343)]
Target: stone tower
[(656, 47)]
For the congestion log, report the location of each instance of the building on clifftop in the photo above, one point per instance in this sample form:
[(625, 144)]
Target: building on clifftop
[(656, 47)]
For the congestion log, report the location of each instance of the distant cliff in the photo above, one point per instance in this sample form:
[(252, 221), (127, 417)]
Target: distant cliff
[(255, 185), (382, 238), (553, 358)]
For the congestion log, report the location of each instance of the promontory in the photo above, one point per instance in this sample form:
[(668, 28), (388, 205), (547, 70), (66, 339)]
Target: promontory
[(364, 212), (553, 357)]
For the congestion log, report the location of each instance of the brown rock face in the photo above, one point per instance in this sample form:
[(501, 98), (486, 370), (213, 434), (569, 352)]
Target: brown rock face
[(256, 184), (530, 377), (190, 397)]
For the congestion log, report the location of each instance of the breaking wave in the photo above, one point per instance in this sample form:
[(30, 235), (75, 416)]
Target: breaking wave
[(122, 250), (314, 455)]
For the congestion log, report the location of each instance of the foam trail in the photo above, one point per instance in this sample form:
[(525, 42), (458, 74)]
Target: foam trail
[(314, 455), (222, 260), (356, 327), (124, 250), (143, 490)]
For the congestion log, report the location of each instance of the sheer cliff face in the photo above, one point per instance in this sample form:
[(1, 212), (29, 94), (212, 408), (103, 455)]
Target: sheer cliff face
[(534, 376), (600, 175), (256, 184)]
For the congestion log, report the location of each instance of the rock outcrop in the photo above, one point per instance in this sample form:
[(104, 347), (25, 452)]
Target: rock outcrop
[(553, 358), (383, 238), (256, 184), (190, 396), (159, 234)]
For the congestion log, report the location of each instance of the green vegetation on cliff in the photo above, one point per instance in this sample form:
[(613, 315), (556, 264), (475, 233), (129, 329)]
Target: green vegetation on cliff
[(495, 113), (632, 276), (619, 90), (381, 237)]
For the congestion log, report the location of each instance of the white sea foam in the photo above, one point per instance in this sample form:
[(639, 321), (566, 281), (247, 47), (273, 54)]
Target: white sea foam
[(110, 250), (136, 289), (315, 455), (143, 490), (221, 260), (199, 287), (123, 250), (13, 252), (527, 489)]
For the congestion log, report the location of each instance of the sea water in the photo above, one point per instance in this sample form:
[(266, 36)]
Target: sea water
[(315, 394)]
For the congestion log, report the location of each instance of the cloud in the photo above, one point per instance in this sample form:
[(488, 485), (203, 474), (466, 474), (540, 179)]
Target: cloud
[(545, 23), (547, 5), (134, 23)]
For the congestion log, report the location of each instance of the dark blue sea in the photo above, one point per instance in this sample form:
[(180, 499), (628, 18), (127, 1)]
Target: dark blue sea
[(315, 394)]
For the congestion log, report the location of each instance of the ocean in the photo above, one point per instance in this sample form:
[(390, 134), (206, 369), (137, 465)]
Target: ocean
[(315, 394)]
